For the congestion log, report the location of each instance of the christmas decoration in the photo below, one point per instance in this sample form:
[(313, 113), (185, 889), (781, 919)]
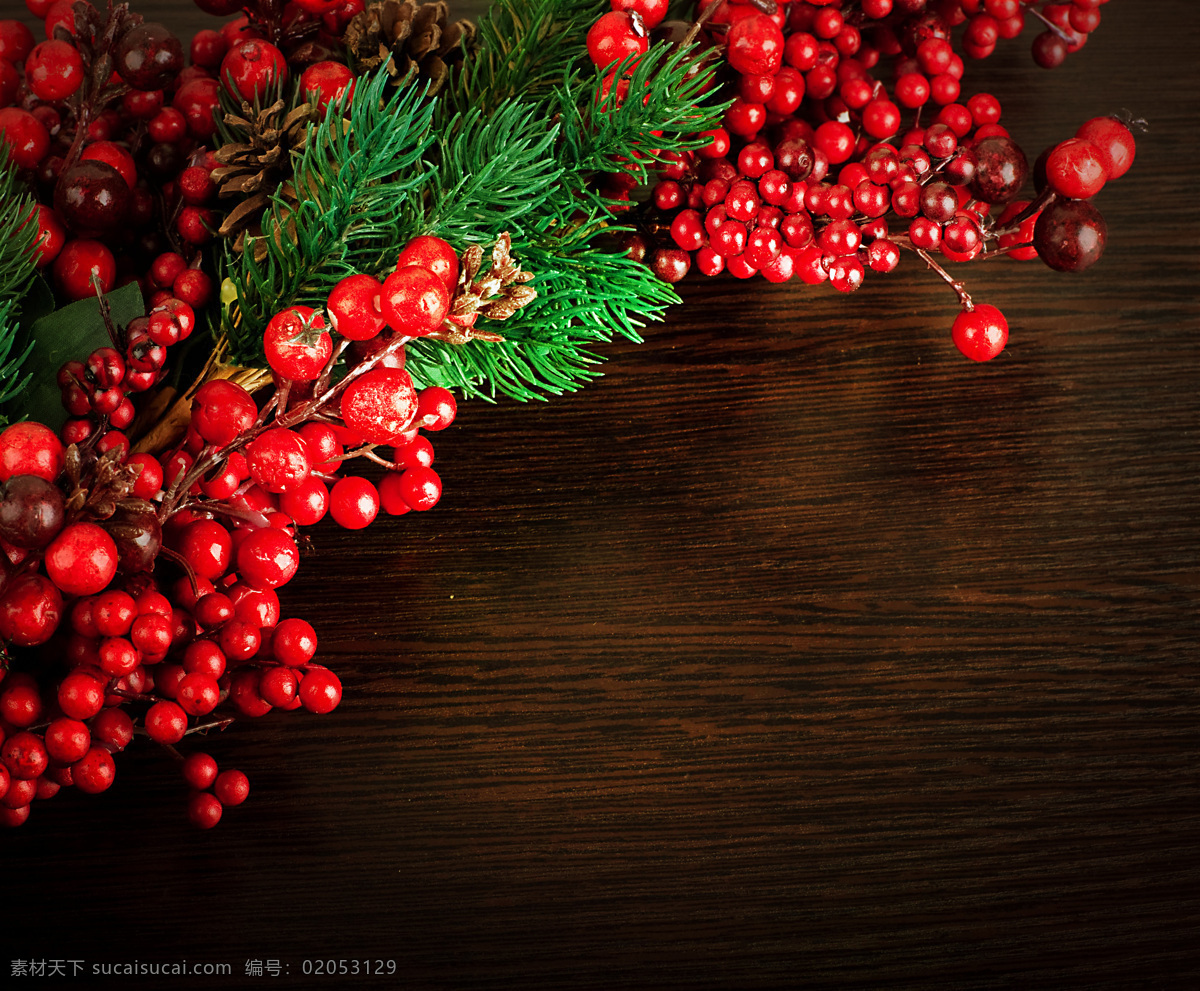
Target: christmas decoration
[(224, 283)]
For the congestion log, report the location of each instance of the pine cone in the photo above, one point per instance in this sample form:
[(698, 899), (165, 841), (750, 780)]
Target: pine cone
[(496, 293), (412, 34), (255, 167)]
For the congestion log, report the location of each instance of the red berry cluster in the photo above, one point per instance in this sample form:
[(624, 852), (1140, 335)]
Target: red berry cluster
[(124, 648), (824, 172), (119, 158)]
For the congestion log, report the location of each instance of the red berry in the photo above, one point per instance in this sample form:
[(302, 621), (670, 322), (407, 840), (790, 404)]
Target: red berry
[(414, 301), (197, 100), (320, 690), (1075, 169), (353, 502), (77, 263), (278, 459), (1113, 141), (755, 45), (113, 728), (199, 770), (254, 67), (26, 137), (231, 787), (434, 254), (615, 36), (296, 345), (267, 558), (354, 307), (67, 739), (380, 404), (24, 754), (329, 80), (166, 722), (204, 810), (307, 502), (221, 411), (54, 70), (198, 693), (981, 333), (30, 448), (82, 559), (278, 686), (207, 547), (95, 771), (80, 695)]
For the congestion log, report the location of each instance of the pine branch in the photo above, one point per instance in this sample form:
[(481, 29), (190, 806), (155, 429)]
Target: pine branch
[(17, 270), (358, 183), (586, 296), (625, 129), (526, 49)]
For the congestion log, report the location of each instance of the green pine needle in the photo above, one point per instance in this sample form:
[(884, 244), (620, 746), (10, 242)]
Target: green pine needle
[(17, 270)]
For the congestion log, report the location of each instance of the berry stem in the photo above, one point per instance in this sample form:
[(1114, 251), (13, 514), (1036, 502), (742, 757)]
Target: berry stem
[(963, 296), (1051, 26)]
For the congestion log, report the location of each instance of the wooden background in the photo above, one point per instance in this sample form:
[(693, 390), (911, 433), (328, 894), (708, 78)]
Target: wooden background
[(796, 652)]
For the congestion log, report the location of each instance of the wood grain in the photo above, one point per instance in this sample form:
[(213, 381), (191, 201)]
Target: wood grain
[(795, 652)]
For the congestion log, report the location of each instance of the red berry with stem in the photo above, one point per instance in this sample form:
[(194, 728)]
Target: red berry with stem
[(307, 502), (1113, 141), (1070, 235), (436, 408), (207, 547), (113, 728), (980, 333), (278, 686), (78, 262), (198, 693), (296, 344), (166, 722), (615, 36)]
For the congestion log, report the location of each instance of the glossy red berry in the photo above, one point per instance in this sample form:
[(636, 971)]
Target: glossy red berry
[(113, 728), (434, 254), (76, 265), (1113, 141), (30, 448), (254, 67), (755, 45), (26, 137), (294, 642), (80, 695), (207, 546), (204, 810), (82, 559), (231, 787), (54, 70), (307, 502), (149, 56), (320, 690), (354, 307), (616, 36), (267, 558), (328, 81), (166, 722), (221, 411), (414, 301), (1075, 169), (353, 502), (67, 739), (95, 771), (380, 404), (199, 770), (296, 344), (980, 333), (436, 408), (198, 693)]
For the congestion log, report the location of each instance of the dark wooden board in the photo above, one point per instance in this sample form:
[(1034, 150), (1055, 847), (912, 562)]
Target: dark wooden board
[(795, 652)]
